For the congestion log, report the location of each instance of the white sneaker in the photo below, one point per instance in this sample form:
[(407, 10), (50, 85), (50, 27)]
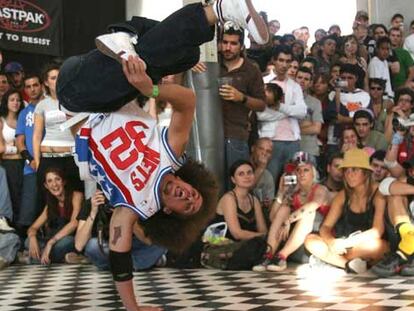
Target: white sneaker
[(356, 265), (4, 226), (117, 45), (243, 14)]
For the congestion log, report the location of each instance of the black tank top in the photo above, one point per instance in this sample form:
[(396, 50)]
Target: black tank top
[(350, 221), (247, 220)]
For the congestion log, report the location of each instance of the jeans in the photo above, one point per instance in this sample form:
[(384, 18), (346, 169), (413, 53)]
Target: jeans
[(283, 152), (59, 250), (234, 149), (96, 83), (143, 256), (5, 202), (9, 245), (14, 173), (29, 208)]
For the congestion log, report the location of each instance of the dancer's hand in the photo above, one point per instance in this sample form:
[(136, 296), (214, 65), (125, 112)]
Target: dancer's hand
[(34, 250), (45, 260), (134, 70)]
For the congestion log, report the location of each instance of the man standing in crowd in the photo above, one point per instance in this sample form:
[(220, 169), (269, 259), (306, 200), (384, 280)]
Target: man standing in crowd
[(16, 75), (363, 122), (378, 66), (405, 76), (286, 131), (24, 143), (326, 53), (311, 125), (4, 84), (243, 94)]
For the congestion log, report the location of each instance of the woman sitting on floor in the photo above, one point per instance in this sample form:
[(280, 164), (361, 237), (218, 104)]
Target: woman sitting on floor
[(303, 203), (58, 220), (240, 210), (350, 235)]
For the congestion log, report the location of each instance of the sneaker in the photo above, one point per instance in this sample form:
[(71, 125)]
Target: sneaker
[(162, 261), (408, 268), (75, 258), (244, 15), (389, 266), (356, 265), (4, 226), (277, 264), (23, 258), (117, 45), (262, 267)]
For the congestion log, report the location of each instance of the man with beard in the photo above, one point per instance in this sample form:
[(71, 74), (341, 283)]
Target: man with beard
[(243, 94)]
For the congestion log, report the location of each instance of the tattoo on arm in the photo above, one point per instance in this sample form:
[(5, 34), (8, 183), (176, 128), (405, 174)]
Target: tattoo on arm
[(117, 235)]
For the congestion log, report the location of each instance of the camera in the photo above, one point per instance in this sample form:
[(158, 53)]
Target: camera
[(397, 125), (341, 83), (290, 180)]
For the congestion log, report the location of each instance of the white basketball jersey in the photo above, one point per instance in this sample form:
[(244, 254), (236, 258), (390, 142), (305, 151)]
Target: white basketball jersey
[(128, 155)]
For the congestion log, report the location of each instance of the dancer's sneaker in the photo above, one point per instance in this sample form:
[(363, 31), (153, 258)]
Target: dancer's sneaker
[(117, 45), (244, 15), (389, 266), (262, 266)]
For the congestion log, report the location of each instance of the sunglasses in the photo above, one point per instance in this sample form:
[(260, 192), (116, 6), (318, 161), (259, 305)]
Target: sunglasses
[(376, 88)]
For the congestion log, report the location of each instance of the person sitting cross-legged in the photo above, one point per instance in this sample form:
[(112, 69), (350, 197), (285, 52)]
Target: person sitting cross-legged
[(301, 206)]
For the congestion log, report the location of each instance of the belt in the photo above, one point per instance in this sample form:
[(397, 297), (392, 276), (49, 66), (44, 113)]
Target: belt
[(56, 155)]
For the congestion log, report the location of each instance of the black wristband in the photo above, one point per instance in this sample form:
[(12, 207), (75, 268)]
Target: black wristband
[(26, 156), (244, 100)]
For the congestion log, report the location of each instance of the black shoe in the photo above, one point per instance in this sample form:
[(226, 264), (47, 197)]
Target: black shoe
[(408, 268), (389, 266)]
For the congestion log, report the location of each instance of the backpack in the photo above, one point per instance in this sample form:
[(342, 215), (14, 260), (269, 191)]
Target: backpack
[(233, 255)]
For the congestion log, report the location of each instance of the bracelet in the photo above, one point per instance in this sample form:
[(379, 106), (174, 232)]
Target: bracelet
[(155, 91)]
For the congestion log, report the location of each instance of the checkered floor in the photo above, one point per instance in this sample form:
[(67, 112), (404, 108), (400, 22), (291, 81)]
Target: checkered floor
[(65, 287)]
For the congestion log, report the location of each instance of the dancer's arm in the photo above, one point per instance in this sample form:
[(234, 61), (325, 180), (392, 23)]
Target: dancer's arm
[(181, 99)]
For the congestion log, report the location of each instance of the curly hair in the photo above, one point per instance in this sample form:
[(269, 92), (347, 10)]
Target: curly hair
[(176, 232)]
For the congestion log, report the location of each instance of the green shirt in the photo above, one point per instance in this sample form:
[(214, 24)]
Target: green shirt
[(406, 61), (376, 140)]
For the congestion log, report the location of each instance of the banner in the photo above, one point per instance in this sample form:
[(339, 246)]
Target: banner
[(31, 26)]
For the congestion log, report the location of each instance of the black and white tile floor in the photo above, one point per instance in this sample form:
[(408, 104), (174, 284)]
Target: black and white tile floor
[(82, 287)]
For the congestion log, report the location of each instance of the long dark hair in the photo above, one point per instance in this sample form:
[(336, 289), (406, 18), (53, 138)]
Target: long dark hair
[(176, 232), (53, 210), (4, 107)]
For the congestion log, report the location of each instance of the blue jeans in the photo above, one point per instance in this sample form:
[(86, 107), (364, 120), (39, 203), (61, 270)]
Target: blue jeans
[(6, 209), (59, 250), (234, 149), (29, 208), (9, 245), (96, 83), (143, 256), (283, 152)]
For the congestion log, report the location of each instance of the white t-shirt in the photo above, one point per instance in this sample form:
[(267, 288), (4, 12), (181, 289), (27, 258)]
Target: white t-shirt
[(53, 117), (379, 69)]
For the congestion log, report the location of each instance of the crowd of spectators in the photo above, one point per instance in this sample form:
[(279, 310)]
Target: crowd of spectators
[(318, 154)]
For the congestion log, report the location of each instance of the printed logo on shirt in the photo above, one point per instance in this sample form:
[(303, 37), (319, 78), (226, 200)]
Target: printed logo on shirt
[(29, 119), (125, 148), (353, 106)]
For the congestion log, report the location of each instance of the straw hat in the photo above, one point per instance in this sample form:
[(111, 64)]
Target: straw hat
[(356, 158)]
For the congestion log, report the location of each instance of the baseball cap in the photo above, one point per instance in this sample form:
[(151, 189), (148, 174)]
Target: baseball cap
[(13, 67), (407, 122), (362, 14)]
